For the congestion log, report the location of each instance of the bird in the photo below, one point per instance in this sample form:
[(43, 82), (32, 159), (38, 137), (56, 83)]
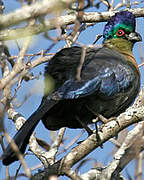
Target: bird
[(109, 83)]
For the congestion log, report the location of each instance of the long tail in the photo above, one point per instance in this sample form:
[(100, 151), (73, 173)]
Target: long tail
[(22, 137)]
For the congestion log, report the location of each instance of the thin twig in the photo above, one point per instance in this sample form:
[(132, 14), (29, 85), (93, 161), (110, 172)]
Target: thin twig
[(79, 68), (19, 155)]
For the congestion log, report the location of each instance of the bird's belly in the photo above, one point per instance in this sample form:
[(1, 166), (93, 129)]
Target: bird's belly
[(109, 106), (66, 112)]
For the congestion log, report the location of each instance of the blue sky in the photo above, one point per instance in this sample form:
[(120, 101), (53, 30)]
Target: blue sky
[(39, 42)]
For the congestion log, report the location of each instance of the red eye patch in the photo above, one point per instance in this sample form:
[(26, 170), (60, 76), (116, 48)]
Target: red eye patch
[(120, 32)]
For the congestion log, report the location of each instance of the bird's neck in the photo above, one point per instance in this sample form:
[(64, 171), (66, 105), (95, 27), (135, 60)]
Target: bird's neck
[(124, 47), (121, 45)]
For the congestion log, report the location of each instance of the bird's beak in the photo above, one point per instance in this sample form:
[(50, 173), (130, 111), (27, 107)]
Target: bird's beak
[(134, 37)]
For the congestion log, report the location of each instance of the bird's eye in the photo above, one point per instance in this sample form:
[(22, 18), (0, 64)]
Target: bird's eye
[(120, 32)]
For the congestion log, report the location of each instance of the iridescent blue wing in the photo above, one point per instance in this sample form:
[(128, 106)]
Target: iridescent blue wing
[(106, 73)]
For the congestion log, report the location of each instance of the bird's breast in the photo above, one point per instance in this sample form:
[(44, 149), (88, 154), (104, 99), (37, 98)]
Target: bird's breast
[(131, 58)]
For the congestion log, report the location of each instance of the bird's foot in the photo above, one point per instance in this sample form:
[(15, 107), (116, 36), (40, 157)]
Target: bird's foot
[(97, 133), (103, 120)]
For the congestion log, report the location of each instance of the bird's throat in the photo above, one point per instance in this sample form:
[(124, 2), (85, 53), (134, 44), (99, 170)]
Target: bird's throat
[(121, 45)]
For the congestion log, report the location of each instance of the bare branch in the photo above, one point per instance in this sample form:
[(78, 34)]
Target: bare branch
[(33, 11), (126, 152), (61, 21), (19, 155), (79, 68)]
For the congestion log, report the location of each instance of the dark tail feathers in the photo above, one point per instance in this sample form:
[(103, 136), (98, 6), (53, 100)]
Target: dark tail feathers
[(22, 136)]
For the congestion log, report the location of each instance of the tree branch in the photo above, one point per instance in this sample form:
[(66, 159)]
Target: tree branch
[(53, 23), (132, 115), (33, 11)]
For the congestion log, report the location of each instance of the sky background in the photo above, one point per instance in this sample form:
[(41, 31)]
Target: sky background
[(38, 43)]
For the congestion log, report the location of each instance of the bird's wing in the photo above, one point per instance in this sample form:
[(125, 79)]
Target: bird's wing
[(106, 83), (63, 66), (107, 73), (76, 89)]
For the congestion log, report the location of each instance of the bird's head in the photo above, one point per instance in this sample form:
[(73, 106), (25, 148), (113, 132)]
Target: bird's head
[(121, 26)]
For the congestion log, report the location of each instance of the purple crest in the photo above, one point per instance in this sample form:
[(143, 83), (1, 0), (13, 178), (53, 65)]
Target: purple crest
[(123, 17)]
